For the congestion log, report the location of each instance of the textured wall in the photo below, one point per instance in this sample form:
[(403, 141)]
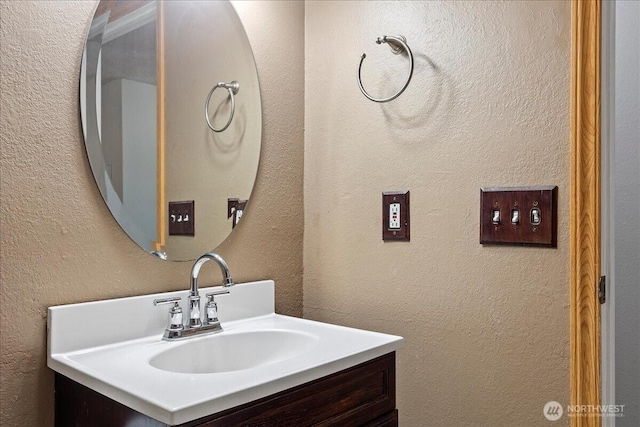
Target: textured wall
[(59, 244), (486, 328)]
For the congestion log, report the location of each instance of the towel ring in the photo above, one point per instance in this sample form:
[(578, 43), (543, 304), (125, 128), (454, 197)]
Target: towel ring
[(399, 40), (233, 89)]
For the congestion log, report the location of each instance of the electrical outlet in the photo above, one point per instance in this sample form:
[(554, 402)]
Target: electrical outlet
[(395, 215)]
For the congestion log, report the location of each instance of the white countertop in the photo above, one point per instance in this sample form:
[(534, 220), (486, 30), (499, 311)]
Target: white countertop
[(107, 346)]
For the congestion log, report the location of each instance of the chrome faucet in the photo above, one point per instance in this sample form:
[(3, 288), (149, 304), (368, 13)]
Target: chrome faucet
[(195, 325), (194, 296)]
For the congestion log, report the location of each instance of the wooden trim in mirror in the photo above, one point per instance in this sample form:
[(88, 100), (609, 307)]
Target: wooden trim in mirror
[(585, 208), (158, 245)]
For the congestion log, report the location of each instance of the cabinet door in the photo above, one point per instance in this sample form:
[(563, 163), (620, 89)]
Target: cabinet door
[(355, 397), (362, 396)]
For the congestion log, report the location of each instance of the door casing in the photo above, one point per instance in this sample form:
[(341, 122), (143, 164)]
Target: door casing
[(585, 377)]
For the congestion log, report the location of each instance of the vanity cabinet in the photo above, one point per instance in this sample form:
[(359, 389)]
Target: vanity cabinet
[(364, 395)]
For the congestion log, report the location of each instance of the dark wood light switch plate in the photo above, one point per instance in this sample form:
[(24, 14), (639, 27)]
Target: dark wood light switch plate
[(522, 216), (182, 218)]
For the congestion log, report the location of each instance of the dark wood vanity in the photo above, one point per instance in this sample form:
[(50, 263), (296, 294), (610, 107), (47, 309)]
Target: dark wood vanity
[(364, 395)]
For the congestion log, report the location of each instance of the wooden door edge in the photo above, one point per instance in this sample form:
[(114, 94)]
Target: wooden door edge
[(585, 208)]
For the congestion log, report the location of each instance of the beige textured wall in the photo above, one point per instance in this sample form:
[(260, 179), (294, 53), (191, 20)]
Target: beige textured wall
[(59, 244), (486, 328)]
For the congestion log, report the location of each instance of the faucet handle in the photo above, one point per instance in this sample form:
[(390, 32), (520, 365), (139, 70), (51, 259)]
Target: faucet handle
[(175, 313), (211, 295), (211, 309), (163, 301)]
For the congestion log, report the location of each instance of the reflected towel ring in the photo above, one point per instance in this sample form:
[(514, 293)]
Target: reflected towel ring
[(233, 89), (393, 41)]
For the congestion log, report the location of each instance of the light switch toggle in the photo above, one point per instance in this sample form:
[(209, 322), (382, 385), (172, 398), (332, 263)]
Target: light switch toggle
[(495, 216), (515, 216), (535, 216)]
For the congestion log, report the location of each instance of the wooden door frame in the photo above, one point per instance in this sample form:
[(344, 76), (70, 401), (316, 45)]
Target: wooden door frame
[(586, 18)]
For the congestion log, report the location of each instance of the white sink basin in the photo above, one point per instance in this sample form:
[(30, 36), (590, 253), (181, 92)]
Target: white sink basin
[(115, 347), (234, 351)]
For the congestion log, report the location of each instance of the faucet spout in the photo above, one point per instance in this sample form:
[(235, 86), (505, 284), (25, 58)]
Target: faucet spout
[(195, 270), (194, 296)]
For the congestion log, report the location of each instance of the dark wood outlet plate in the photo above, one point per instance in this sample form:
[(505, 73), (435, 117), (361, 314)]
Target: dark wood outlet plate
[(524, 199), (402, 233)]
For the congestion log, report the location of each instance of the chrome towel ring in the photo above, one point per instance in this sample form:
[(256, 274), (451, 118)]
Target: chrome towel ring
[(233, 89), (397, 44)]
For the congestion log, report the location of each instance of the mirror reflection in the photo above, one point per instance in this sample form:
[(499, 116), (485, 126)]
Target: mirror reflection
[(176, 180)]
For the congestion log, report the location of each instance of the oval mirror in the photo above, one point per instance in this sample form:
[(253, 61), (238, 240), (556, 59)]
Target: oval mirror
[(176, 179)]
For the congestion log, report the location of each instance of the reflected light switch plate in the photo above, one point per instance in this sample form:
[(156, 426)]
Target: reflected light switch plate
[(182, 218)]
